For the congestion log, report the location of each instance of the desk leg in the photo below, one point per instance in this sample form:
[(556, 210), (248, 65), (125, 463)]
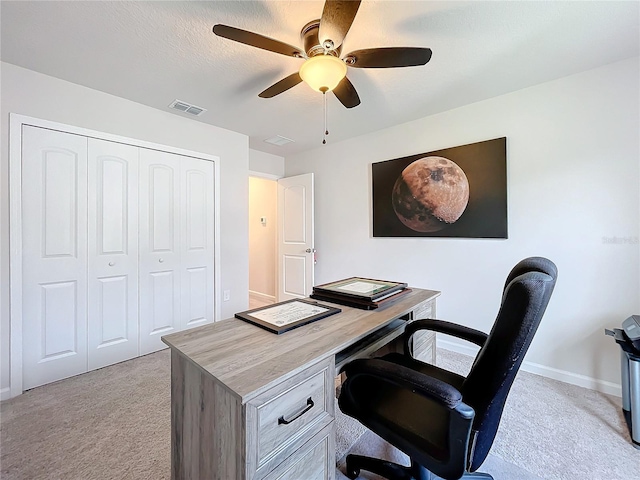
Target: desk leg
[(424, 341), (206, 426)]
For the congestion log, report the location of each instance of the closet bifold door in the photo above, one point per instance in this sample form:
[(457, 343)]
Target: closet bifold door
[(54, 260), (176, 245), (113, 253), (159, 247), (197, 242)]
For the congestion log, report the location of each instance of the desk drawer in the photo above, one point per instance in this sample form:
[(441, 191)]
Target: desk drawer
[(289, 414), (315, 460)]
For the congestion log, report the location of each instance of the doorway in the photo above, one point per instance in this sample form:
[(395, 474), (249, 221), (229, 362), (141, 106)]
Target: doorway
[(263, 207)]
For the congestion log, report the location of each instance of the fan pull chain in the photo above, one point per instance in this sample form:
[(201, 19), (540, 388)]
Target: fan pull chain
[(326, 132)]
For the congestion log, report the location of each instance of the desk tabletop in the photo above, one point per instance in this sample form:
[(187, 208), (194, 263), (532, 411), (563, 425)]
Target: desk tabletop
[(248, 360)]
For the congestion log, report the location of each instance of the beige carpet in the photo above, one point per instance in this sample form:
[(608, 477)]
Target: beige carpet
[(114, 423)]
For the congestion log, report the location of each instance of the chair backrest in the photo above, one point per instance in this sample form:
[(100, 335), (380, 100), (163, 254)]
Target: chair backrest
[(525, 297)]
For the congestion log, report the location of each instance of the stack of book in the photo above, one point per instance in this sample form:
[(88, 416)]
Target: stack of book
[(365, 293)]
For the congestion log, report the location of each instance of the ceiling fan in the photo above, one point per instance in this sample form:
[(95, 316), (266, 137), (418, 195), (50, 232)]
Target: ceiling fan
[(323, 69)]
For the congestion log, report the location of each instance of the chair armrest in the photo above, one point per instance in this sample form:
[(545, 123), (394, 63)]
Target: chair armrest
[(469, 334), (405, 377)]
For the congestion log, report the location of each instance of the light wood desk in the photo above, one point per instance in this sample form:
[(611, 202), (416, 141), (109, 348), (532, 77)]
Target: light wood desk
[(249, 404)]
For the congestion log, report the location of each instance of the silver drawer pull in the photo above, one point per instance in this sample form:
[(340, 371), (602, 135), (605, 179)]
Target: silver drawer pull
[(282, 421)]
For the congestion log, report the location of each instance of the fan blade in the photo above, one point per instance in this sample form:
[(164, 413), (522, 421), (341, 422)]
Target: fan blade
[(346, 93), (336, 20), (282, 86), (388, 57), (256, 40)]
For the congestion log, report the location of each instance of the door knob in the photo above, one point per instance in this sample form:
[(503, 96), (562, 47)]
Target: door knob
[(111, 264), (310, 250), (161, 260)]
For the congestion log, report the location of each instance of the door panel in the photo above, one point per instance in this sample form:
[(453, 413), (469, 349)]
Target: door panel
[(294, 222), (294, 273), (163, 196), (196, 210), (196, 305), (114, 311), (54, 216), (159, 211), (60, 202), (113, 200), (197, 229), (164, 308), (113, 253), (59, 319), (295, 237)]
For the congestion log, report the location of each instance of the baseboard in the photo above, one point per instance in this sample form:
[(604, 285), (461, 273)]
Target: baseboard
[(5, 393), (574, 378), (262, 297), (467, 350), (544, 371)]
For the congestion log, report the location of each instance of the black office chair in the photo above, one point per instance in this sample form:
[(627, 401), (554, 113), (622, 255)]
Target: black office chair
[(444, 422)]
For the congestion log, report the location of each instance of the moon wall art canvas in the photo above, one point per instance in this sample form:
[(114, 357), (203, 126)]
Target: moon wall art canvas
[(455, 192)]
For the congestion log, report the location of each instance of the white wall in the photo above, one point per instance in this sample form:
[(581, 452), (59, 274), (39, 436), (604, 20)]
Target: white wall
[(263, 162), (33, 94), (263, 202), (573, 159)]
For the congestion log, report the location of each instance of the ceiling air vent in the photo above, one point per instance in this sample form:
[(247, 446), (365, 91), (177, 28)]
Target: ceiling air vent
[(279, 140), (187, 108)]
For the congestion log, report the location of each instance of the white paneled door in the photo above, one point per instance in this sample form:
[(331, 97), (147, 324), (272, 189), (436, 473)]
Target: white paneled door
[(54, 232), (295, 237), (176, 245), (113, 253), (159, 247), (117, 251), (196, 275)]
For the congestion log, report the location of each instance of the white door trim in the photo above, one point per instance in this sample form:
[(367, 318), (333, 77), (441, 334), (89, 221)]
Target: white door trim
[(268, 176), (16, 121)]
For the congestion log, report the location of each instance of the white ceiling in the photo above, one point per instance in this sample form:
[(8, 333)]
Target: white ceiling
[(155, 52)]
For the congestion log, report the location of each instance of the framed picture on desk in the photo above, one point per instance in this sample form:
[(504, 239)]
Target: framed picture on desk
[(284, 316), (360, 288)]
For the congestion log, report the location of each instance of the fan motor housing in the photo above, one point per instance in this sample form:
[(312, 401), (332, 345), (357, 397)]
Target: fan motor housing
[(309, 36)]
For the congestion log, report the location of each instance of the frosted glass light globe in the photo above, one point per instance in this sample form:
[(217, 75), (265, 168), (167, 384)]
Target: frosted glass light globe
[(323, 72)]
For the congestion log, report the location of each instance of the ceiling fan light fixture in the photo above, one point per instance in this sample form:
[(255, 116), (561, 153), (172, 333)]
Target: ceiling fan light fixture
[(323, 72)]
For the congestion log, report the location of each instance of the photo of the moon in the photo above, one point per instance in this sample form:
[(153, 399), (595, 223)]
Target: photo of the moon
[(430, 194), (457, 192)]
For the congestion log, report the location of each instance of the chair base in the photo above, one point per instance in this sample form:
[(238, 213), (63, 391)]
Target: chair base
[(393, 471)]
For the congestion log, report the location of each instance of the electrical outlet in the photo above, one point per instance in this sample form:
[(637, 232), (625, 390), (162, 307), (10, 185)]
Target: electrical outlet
[(226, 295)]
